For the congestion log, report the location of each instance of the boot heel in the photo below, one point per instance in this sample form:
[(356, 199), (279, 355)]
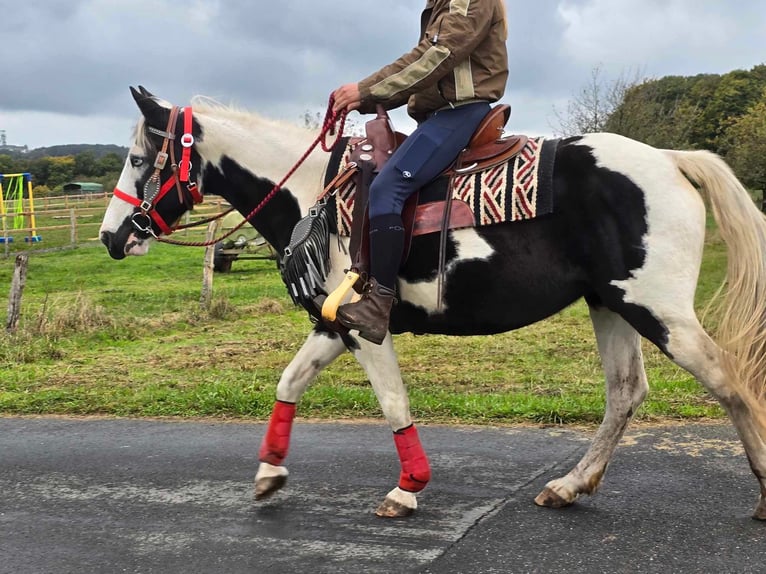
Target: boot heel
[(370, 314), (375, 338)]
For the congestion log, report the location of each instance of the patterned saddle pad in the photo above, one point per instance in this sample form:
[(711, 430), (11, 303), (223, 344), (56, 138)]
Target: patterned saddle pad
[(516, 190)]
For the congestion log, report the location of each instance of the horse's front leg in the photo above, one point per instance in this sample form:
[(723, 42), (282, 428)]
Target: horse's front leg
[(319, 350), (382, 368)]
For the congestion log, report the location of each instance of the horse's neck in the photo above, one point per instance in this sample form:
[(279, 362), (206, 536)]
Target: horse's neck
[(245, 159), (268, 150)]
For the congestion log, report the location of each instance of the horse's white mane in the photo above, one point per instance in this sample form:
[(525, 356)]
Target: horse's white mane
[(205, 105), (209, 103), (208, 106)]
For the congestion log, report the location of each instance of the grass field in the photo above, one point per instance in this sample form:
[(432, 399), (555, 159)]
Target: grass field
[(128, 338)]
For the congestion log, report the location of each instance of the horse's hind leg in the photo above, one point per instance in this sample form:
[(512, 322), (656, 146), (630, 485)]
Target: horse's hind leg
[(692, 349), (620, 348), (319, 350)]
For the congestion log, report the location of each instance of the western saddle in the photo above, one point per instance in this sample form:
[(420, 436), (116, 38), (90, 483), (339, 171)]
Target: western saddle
[(488, 146)]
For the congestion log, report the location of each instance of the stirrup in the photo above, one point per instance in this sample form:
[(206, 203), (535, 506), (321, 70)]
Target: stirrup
[(334, 299)]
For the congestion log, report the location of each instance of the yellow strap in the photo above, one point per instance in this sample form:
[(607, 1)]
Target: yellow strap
[(334, 299)]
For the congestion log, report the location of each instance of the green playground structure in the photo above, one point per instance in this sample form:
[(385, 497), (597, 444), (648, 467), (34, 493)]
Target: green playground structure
[(13, 215)]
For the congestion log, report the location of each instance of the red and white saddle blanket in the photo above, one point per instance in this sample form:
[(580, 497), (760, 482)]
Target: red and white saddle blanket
[(517, 190)]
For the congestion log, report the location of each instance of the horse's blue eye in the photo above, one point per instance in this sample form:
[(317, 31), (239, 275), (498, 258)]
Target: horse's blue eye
[(136, 161)]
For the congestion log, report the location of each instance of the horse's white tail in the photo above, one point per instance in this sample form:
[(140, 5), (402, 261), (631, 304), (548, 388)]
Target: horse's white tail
[(742, 329)]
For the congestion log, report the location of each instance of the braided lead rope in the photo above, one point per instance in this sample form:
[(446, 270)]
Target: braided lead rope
[(202, 222)]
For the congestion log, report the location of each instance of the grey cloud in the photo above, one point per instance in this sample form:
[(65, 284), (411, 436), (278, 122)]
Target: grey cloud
[(67, 63), (78, 57)]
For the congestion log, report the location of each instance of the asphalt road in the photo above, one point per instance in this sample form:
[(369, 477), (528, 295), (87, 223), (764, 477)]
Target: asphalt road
[(142, 496)]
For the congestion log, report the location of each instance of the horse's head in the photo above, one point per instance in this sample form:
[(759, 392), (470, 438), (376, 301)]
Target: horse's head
[(158, 183)]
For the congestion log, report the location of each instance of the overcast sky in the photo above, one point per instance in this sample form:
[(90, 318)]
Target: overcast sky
[(66, 65)]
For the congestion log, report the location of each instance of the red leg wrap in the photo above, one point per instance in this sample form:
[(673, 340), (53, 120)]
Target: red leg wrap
[(277, 439), (416, 471)]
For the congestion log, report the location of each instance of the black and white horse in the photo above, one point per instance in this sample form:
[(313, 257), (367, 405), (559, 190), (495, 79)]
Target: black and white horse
[(627, 235)]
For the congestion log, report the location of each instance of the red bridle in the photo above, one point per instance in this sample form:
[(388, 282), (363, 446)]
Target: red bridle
[(155, 189)]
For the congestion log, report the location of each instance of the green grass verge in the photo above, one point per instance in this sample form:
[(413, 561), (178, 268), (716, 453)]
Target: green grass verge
[(127, 338)]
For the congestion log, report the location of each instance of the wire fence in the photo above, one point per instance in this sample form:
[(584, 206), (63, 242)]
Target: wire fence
[(64, 222)]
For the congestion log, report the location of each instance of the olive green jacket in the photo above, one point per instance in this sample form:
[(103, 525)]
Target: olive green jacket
[(461, 58)]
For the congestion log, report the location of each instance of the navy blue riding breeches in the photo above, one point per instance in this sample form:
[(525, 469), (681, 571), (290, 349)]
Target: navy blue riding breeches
[(425, 154)]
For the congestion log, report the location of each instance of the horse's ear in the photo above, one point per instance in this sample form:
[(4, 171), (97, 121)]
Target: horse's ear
[(154, 113), (145, 92)]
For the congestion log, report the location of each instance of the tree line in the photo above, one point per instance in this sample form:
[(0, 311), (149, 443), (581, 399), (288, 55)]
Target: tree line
[(51, 172), (723, 113)]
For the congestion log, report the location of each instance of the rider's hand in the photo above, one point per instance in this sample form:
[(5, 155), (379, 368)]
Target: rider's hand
[(347, 98)]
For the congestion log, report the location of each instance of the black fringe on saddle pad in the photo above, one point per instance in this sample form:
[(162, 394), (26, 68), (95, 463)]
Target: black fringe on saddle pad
[(306, 261)]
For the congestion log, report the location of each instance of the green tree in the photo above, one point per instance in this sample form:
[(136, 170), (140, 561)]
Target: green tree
[(40, 170), (746, 142), (41, 190), (9, 165), (110, 163), (701, 92), (85, 164), (656, 112), (734, 95), (61, 171), (759, 72)]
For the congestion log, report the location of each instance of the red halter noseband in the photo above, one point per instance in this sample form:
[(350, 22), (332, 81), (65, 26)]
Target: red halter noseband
[(154, 189)]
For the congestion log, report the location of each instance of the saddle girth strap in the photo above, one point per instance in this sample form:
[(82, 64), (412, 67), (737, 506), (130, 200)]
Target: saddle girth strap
[(443, 247)]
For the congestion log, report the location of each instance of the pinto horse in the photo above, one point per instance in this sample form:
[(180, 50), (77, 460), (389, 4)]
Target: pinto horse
[(626, 234)]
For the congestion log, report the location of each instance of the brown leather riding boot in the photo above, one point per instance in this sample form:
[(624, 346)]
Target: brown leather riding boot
[(370, 314)]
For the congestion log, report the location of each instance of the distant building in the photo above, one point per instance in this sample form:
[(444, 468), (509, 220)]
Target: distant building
[(5, 148), (13, 149), (80, 187)]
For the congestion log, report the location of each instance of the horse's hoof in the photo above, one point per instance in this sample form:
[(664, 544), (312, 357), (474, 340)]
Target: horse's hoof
[(392, 509), (268, 485), (760, 511), (397, 504), (549, 498), (269, 479)]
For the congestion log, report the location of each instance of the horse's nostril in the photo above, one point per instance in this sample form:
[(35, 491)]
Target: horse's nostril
[(106, 238)]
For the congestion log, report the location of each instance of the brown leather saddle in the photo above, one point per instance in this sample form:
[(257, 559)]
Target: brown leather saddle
[(487, 148)]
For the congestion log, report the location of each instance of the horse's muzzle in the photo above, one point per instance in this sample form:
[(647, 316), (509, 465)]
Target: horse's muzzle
[(115, 251)]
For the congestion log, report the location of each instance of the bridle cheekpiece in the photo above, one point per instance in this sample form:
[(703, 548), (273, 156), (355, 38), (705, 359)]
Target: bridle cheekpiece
[(155, 189)]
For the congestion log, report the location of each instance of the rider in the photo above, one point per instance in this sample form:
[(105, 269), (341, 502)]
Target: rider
[(448, 80)]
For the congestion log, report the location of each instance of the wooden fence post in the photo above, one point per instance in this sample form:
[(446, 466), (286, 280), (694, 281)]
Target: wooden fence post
[(73, 223), (207, 270), (17, 287)]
